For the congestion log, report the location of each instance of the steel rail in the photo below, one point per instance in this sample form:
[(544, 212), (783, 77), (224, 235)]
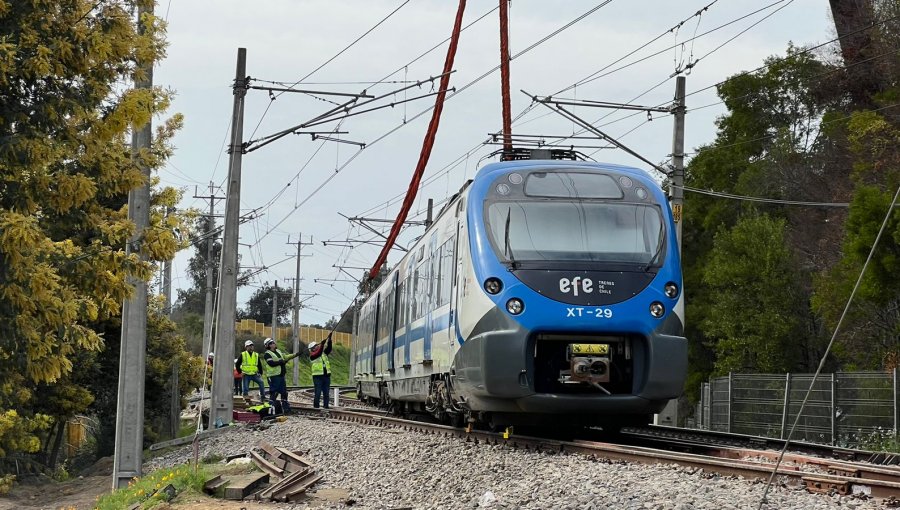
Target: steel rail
[(838, 476)]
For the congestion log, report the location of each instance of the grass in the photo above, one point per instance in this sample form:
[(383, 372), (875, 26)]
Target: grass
[(144, 490)]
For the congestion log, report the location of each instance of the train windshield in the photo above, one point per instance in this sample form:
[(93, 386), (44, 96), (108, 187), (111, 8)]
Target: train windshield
[(576, 230)]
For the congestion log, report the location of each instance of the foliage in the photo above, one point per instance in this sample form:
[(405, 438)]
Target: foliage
[(755, 313), (65, 170), (193, 299), (164, 347), (147, 490), (769, 144), (871, 328), (259, 306)]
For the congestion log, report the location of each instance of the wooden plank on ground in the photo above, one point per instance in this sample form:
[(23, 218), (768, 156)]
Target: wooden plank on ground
[(214, 484), (240, 486)]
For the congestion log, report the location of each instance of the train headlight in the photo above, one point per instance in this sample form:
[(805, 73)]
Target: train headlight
[(656, 309), (515, 306), (671, 290), (493, 285)]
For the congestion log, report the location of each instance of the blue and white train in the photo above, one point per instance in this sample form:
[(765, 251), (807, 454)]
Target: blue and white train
[(544, 290)]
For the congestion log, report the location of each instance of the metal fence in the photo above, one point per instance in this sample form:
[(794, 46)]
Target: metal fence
[(843, 408)]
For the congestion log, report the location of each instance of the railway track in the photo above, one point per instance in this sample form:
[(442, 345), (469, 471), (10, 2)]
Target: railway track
[(827, 470), (701, 438)]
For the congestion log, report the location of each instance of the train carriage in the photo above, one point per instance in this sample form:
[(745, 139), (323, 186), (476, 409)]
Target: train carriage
[(544, 289)]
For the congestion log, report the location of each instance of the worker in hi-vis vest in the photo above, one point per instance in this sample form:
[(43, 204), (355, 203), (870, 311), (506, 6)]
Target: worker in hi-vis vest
[(251, 367), (275, 372), (320, 368)]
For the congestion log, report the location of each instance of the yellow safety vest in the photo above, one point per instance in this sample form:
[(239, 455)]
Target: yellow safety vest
[(320, 365), (276, 370), (249, 363)]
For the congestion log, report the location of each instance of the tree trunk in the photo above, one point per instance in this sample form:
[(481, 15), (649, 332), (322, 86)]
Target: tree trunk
[(853, 21), (57, 442)]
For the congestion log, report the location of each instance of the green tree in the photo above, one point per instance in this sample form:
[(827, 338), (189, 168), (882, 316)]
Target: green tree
[(65, 170), (259, 306), (870, 336), (769, 144), (755, 313)]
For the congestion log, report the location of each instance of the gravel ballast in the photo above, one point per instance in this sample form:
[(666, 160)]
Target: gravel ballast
[(388, 468)]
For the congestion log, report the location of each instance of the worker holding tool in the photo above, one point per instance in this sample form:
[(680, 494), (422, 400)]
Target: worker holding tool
[(251, 368), (275, 373), (320, 368)]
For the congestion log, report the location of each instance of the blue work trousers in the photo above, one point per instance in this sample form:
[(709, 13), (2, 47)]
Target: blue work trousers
[(322, 384), (278, 386), (258, 380)]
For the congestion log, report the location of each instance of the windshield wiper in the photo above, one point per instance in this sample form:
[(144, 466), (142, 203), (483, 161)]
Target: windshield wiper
[(507, 249), (659, 246)]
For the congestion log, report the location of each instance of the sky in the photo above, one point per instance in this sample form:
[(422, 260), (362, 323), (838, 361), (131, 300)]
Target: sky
[(300, 186)]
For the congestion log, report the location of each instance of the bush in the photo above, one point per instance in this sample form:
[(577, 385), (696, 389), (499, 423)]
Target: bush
[(148, 490)]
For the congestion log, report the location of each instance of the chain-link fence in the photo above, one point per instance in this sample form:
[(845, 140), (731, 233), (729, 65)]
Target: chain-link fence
[(843, 408)]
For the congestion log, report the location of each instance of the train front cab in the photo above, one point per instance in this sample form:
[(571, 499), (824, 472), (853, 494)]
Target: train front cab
[(597, 337)]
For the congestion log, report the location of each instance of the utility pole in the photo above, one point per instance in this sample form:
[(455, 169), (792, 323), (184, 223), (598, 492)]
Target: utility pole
[(275, 312), (210, 268), (129, 441), (295, 316), (676, 190), (504, 77), (222, 406), (174, 395), (167, 277), (669, 414)]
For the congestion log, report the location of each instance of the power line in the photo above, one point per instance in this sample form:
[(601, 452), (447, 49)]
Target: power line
[(383, 80), (423, 112), (338, 54), (596, 74)]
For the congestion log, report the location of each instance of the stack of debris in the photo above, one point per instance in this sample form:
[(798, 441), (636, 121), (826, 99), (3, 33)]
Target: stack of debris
[(286, 476)]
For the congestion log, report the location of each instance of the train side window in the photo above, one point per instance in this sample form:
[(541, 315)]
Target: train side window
[(401, 304), (414, 296), (446, 263), (434, 280), (421, 288)]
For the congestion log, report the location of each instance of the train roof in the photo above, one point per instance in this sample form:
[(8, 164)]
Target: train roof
[(505, 166)]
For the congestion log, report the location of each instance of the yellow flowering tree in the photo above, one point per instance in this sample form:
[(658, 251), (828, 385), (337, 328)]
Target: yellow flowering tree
[(66, 168)]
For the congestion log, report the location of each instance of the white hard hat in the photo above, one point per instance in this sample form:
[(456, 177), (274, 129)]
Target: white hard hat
[(268, 341), (311, 345), (248, 343), (212, 354)]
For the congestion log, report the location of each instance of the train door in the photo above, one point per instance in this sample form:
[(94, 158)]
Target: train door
[(374, 329), (460, 244), (392, 320), (410, 315), (430, 294), (453, 291)]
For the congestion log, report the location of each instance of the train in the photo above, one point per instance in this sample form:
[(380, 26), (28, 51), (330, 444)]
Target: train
[(545, 292)]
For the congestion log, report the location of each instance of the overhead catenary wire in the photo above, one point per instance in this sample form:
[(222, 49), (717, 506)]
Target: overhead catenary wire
[(335, 56), (458, 91), (381, 81), (596, 77)]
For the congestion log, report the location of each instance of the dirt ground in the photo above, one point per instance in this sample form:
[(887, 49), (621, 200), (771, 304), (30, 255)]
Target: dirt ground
[(45, 493), (81, 493)]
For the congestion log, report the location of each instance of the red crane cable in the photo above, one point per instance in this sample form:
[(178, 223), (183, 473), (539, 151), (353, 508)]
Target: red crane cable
[(504, 76), (427, 145)]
